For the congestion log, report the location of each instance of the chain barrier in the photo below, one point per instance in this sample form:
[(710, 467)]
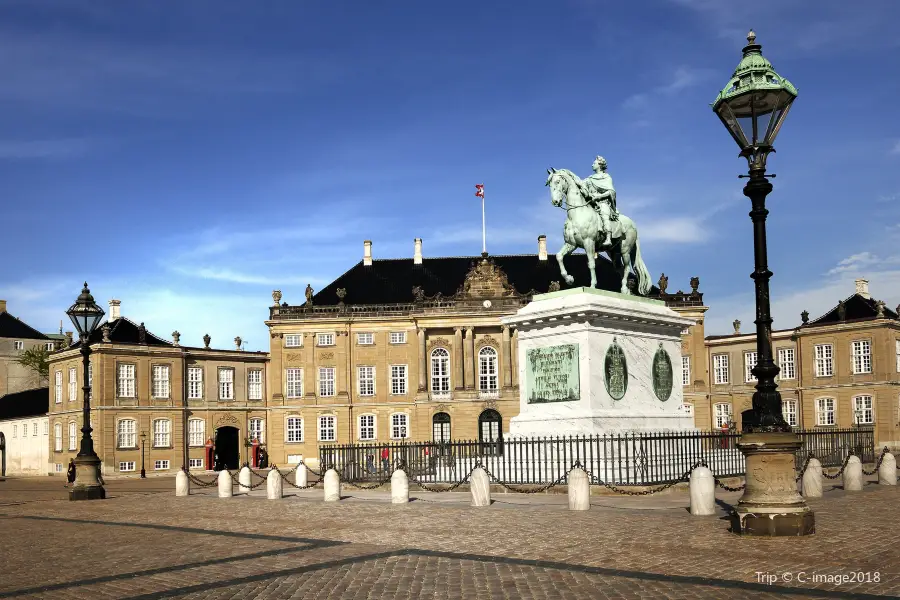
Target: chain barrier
[(841, 471), (738, 488), (877, 462), (803, 469), (428, 488), (197, 481), (509, 488), (619, 490)]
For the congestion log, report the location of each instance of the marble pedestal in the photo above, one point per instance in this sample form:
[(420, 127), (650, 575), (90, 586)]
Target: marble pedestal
[(592, 362), (87, 483)]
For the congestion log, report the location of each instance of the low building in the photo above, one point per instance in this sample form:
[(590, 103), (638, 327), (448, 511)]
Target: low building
[(24, 433), (15, 338)]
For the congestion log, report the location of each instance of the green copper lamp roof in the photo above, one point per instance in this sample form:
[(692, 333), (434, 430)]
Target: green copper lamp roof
[(754, 73)]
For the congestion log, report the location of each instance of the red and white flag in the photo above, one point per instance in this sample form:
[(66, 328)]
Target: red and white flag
[(479, 190)]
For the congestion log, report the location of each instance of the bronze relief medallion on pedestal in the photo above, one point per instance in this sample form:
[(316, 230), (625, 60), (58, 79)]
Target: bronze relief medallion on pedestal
[(615, 370), (662, 374)]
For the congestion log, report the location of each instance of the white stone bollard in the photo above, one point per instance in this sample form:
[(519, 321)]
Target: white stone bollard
[(399, 487), (480, 486), (244, 482), (274, 485), (853, 475), (702, 485), (812, 479), (579, 490), (332, 486), (887, 472), (182, 484), (226, 486), (300, 476)]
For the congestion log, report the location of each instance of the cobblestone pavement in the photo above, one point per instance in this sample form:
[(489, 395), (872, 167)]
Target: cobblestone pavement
[(141, 544)]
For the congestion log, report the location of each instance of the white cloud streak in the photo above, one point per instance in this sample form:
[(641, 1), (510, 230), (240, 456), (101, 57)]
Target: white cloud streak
[(41, 149)]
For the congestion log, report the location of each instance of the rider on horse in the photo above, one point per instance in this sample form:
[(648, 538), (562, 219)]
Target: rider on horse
[(598, 190)]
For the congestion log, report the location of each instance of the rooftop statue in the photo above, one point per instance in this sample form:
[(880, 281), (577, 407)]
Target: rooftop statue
[(594, 223)]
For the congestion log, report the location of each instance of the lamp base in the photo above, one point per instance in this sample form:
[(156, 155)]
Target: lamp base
[(87, 483), (93, 492)]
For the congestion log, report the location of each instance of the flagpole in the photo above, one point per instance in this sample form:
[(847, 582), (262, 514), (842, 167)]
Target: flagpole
[(483, 236)]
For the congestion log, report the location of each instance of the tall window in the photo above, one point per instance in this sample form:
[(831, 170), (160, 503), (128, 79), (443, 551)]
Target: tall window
[(861, 351), (46, 427), (824, 411), (399, 426), (722, 414), (440, 428), (19, 345), (365, 378), (366, 427), (125, 434), (749, 364), (398, 380), (327, 428), (256, 429), (789, 410), (365, 339), (226, 384), (126, 381), (325, 339), (294, 380), (72, 435), (824, 354), (487, 370), (34, 428), (398, 337), (440, 371), (160, 381), (293, 340), (73, 385), (294, 429), (161, 428), (57, 437), (48, 346), (720, 368), (57, 392), (254, 384), (326, 381), (196, 432), (685, 370), (195, 383), (863, 414), (490, 432), (787, 363)]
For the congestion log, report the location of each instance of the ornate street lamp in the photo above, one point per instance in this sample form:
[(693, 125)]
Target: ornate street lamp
[(753, 106), (86, 315), (143, 439)]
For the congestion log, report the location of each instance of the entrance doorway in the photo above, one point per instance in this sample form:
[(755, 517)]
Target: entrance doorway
[(227, 449)]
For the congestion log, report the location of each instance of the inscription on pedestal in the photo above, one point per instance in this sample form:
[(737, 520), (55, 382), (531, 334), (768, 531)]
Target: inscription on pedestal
[(552, 374)]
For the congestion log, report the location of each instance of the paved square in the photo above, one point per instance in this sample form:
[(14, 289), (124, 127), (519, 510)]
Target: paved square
[(143, 542)]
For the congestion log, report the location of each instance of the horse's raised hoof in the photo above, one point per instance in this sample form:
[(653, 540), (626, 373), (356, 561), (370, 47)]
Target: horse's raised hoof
[(569, 279)]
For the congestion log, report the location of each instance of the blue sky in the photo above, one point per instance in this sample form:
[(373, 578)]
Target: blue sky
[(204, 153)]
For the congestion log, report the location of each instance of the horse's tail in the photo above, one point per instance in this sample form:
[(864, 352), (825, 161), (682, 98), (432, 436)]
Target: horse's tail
[(643, 275)]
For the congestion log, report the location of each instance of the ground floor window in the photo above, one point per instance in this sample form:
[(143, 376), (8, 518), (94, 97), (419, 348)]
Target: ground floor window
[(327, 425), (366, 427), (399, 426), (863, 414), (440, 425), (722, 413), (195, 463), (789, 411), (126, 466), (490, 432), (824, 411), (161, 465)]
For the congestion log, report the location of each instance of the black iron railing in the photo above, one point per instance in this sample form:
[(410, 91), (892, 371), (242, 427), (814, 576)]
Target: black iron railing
[(641, 458)]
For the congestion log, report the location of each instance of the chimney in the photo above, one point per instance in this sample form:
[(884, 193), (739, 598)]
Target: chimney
[(542, 247), (114, 310), (862, 288), (367, 253), (68, 338), (417, 253), (2, 306)]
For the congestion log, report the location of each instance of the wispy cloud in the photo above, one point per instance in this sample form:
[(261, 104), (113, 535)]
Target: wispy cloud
[(225, 274), (59, 148), (682, 78), (896, 149)]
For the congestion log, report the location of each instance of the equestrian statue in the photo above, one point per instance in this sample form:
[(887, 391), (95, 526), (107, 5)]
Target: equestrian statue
[(594, 223)]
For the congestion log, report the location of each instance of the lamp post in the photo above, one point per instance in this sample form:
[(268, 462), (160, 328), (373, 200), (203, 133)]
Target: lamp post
[(143, 439), (86, 315), (753, 106)]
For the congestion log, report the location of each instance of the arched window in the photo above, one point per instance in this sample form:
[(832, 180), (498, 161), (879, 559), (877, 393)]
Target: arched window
[(487, 370), (440, 427), (440, 372), (490, 432), (125, 437), (161, 430)]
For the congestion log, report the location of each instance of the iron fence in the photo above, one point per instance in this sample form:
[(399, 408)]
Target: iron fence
[(639, 458)]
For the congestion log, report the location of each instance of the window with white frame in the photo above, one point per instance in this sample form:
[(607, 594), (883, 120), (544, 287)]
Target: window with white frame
[(327, 428), (226, 384), (399, 426), (195, 463), (19, 345), (34, 428), (160, 381), (686, 370), (720, 368), (293, 340), (125, 437), (48, 346), (73, 384), (293, 382), (15, 430), (366, 427), (254, 384), (160, 465), (126, 465), (365, 339), (195, 383), (57, 387), (365, 380), (325, 339), (294, 429), (863, 412), (824, 411), (722, 414), (72, 435), (326, 381), (46, 427), (749, 364), (688, 408), (125, 384), (256, 429), (398, 380), (161, 431), (58, 467), (440, 371), (196, 432), (787, 363), (399, 337), (57, 437), (789, 412), (824, 355), (861, 354), (487, 370)]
